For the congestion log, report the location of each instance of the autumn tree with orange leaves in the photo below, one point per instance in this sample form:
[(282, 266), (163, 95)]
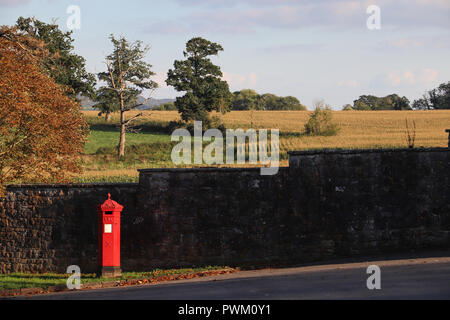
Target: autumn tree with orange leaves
[(42, 131)]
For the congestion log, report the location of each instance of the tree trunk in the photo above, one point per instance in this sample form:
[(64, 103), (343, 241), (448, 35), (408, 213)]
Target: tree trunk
[(122, 141), (108, 116), (122, 136)]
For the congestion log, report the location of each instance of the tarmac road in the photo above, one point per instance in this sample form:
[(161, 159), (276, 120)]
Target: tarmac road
[(427, 278)]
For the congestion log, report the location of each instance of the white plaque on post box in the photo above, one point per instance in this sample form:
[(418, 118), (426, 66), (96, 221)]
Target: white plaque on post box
[(108, 228)]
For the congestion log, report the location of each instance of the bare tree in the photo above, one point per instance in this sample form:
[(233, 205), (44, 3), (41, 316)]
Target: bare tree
[(127, 76)]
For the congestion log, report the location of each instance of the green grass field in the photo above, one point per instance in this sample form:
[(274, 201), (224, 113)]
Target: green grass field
[(101, 138)]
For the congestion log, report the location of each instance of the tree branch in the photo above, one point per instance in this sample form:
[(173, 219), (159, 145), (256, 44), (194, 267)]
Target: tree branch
[(126, 123), (140, 104), (108, 65)]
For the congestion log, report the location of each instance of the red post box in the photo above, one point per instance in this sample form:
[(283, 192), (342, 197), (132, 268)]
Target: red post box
[(109, 238)]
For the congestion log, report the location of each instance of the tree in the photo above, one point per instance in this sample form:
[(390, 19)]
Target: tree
[(400, 103), (390, 102), (127, 76), (290, 103), (423, 103), (320, 123), (201, 80), (42, 131), (360, 105), (169, 106), (393, 102), (107, 102), (347, 107), (62, 64), (246, 99), (438, 98), (269, 101)]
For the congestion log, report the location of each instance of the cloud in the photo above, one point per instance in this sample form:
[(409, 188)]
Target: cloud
[(233, 3), (396, 79), (13, 2), (249, 19), (239, 81), (347, 83), (160, 78), (294, 48), (428, 75), (403, 43), (167, 27), (437, 3), (406, 78), (247, 16), (417, 42), (344, 4)]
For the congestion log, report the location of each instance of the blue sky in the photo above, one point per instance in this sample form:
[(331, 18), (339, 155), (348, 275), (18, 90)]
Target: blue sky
[(309, 49)]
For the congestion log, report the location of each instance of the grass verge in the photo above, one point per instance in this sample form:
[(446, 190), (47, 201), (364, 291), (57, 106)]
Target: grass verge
[(44, 281)]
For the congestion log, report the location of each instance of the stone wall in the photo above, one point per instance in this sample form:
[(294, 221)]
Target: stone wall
[(326, 204), (211, 216), (371, 201)]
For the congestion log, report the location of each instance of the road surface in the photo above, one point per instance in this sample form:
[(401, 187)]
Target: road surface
[(401, 279)]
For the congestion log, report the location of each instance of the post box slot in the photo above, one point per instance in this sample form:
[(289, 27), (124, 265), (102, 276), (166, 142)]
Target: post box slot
[(108, 212)]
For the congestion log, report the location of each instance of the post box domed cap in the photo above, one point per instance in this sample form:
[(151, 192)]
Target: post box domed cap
[(111, 205)]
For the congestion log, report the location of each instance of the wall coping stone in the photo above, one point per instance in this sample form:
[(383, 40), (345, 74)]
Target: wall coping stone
[(202, 169), (69, 186), (359, 151)]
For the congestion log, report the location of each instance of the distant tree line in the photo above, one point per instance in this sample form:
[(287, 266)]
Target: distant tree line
[(435, 99), (169, 106), (390, 102), (248, 99)]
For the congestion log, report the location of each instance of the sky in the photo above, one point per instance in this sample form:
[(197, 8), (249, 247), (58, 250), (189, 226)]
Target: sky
[(310, 49)]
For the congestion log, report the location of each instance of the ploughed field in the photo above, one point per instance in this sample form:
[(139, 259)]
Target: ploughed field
[(150, 145)]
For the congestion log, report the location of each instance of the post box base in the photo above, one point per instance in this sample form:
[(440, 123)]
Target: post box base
[(109, 272)]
